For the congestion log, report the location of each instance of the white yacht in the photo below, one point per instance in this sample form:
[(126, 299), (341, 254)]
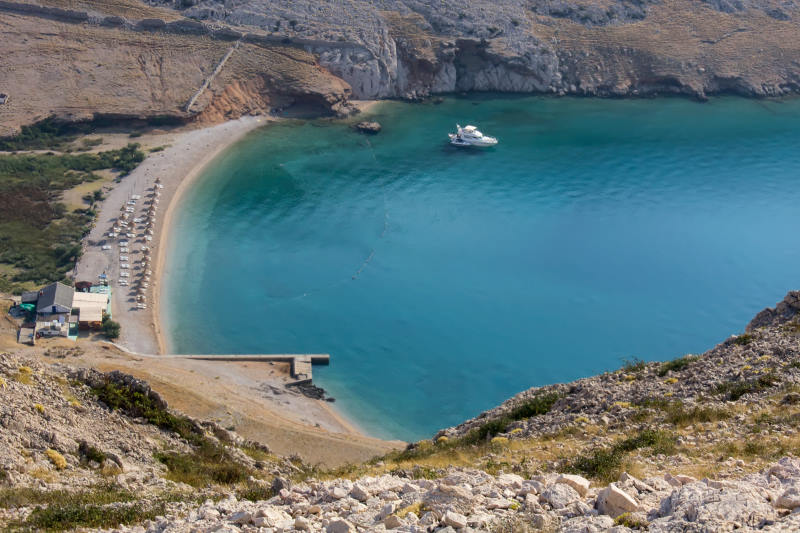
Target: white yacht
[(470, 136)]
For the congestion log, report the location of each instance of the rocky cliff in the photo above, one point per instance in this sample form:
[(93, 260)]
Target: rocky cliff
[(411, 48), (126, 60), (164, 58)]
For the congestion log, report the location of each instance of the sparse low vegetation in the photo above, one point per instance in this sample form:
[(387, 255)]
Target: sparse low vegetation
[(539, 405), (605, 463), (206, 464), (733, 390), (676, 365), (633, 365), (679, 415)]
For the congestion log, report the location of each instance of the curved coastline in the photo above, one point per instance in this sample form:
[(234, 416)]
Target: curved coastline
[(173, 200)]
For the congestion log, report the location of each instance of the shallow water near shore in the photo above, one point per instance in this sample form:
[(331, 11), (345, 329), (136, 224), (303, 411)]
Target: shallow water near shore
[(442, 281)]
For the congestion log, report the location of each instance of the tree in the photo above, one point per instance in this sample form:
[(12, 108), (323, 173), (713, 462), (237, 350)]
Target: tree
[(111, 329)]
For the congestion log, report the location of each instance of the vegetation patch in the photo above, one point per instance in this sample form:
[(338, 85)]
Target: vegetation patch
[(678, 414), (208, 463), (48, 134), (56, 458), (538, 405), (744, 339), (630, 521), (677, 365), (606, 463), (40, 237), (138, 404), (65, 516), (111, 329), (97, 495), (90, 453), (633, 365), (254, 492), (733, 390)]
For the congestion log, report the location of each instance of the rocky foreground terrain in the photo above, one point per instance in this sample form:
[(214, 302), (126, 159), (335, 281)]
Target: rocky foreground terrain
[(700, 443), (209, 60)]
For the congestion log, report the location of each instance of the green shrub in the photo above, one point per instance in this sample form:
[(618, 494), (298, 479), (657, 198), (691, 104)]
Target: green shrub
[(626, 520), (676, 365), (733, 390), (208, 464), (111, 329), (48, 134), (61, 517), (633, 365), (254, 492), (605, 463), (90, 453), (138, 404), (538, 405), (744, 339)]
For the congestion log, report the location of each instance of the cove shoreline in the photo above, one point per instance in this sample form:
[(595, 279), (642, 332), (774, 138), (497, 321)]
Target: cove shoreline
[(313, 428)]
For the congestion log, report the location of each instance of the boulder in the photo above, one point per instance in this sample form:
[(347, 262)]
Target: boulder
[(453, 519), (370, 128), (580, 484), (559, 495), (241, 518), (340, 526), (614, 501), (269, 516), (790, 499), (393, 522), (359, 493)]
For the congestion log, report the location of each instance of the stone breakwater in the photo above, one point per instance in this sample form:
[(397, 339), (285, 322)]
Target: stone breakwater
[(471, 500)]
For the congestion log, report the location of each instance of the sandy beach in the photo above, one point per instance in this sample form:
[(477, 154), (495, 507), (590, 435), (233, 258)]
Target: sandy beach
[(183, 159), (250, 396)]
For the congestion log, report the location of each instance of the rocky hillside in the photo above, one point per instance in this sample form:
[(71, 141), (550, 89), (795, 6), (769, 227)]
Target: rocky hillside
[(410, 48), (125, 60), (211, 60), (700, 443)]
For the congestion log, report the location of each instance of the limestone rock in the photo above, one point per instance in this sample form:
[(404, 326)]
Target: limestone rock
[(368, 127), (580, 484), (559, 495), (359, 493), (339, 526), (393, 522), (614, 501), (453, 519)]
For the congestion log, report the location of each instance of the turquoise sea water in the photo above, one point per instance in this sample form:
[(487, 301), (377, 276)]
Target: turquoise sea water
[(443, 281)]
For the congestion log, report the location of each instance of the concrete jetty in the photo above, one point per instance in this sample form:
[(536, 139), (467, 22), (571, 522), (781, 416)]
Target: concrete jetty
[(300, 364)]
